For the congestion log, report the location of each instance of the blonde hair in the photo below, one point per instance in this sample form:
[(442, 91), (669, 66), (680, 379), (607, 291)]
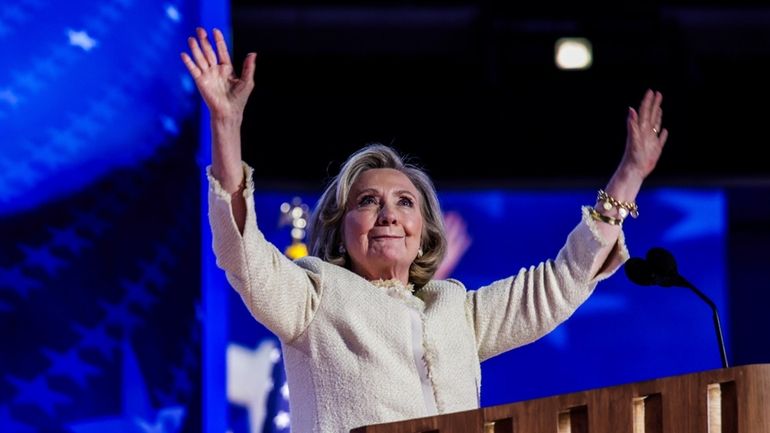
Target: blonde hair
[(326, 220)]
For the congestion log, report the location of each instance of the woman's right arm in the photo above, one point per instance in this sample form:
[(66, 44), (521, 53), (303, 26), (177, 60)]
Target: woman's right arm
[(281, 295), (225, 95)]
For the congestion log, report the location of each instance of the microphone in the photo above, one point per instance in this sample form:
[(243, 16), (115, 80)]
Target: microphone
[(659, 268), (639, 272)]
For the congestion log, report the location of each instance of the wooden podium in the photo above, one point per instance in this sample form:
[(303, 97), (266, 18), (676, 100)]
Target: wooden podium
[(730, 400)]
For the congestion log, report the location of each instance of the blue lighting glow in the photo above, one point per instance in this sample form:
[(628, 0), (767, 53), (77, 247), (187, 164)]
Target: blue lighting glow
[(99, 86), (99, 218)]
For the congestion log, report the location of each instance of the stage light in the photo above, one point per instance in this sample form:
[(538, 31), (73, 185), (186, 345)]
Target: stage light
[(573, 53)]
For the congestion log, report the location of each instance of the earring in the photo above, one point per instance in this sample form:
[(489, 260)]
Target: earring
[(342, 249), (419, 253)]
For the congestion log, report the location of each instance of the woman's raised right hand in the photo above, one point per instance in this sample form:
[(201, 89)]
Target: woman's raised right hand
[(224, 92)]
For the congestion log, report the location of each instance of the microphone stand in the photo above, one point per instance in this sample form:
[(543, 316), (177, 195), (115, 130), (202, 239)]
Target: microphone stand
[(715, 314)]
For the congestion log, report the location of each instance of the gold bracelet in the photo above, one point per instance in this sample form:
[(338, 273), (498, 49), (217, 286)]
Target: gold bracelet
[(604, 218), (624, 207)]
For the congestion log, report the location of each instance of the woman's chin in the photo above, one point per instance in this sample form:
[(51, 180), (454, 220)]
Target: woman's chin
[(389, 258)]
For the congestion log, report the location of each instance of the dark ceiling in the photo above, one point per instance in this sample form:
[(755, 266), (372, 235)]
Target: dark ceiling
[(470, 88)]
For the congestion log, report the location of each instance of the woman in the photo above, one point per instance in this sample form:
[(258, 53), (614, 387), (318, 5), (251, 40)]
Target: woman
[(368, 336)]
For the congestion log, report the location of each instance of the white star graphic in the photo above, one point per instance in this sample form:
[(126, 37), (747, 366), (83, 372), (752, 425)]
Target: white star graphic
[(6, 95), (282, 420), (173, 13), (249, 379), (169, 125), (81, 39)]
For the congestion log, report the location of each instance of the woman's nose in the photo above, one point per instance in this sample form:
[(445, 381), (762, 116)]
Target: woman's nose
[(387, 215)]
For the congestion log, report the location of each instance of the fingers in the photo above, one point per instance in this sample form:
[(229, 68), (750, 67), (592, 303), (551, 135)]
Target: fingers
[(645, 108), (632, 122), (203, 52), (249, 65), (650, 112), (657, 112), (658, 100), (197, 55), (453, 225), (205, 45), (653, 106), (219, 40), (456, 229), (632, 115), (663, 137), (191, 66)]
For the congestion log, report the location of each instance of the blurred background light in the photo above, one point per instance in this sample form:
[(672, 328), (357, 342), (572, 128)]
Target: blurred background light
[(573, 53)]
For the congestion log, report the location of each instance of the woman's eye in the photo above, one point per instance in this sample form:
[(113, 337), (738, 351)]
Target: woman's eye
[(406, 201), (367, 200)]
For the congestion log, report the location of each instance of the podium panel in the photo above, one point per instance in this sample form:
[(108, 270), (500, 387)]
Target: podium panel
[(729, 400)]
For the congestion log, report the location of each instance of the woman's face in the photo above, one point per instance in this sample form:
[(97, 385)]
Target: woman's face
[(383, 224)]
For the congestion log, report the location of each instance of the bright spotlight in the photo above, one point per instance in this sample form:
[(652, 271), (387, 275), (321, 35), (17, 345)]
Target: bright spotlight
[(573, 53)]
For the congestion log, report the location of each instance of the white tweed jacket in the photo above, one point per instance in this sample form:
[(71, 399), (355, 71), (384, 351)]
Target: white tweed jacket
[(348, 346)]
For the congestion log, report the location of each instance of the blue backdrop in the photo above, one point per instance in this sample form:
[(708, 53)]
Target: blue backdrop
[(99, 218)]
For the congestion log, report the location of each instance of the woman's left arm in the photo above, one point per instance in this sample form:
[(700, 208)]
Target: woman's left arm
[(525, 307), (521, 309), (645, 139)]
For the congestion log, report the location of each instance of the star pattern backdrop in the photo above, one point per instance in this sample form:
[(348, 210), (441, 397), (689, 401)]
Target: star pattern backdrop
[(99, 218)]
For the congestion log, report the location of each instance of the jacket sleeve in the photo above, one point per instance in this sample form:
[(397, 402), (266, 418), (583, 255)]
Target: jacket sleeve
[(522, 308), (279, 294)]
